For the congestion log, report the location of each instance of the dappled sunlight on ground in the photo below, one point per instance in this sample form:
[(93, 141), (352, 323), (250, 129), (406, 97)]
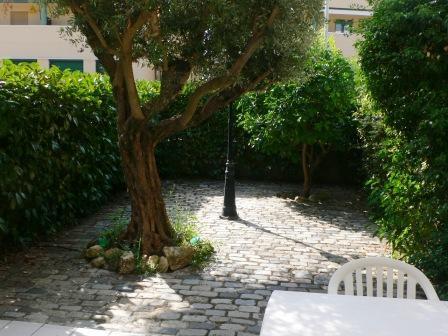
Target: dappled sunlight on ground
[(276, 244)]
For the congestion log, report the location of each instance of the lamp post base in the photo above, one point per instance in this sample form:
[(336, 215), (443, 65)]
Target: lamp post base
[(229, 208), (230, 217)]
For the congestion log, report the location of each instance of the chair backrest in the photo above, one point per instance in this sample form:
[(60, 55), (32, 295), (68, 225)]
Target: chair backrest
[(377, 267)]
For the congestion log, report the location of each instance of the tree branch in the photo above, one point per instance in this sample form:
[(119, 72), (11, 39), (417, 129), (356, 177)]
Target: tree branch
[(173, 79), (225, 98), (128, 75), (82, 10), (180, 122), (150, 17)]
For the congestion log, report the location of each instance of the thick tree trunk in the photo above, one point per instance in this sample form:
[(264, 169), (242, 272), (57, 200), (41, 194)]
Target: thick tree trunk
[(149, 219), (306, 167)]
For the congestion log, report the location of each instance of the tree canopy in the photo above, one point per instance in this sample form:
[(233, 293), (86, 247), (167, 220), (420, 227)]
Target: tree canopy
[(310, 116), (227, 47), (231, 42)]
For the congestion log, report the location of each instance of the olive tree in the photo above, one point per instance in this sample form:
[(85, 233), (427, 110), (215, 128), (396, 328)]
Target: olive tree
[(227, 47)]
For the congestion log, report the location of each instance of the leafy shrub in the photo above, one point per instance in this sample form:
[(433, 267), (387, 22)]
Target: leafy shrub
[(186, 234), (303, 121), (58, 151), (404, 56), (201, 152)]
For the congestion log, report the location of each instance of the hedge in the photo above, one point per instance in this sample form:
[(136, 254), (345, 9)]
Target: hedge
[(404, 58), (59, 157), (58, 152)]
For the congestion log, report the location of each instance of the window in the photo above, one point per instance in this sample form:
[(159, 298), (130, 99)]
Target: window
[(19, 18), (99, 67), (72, 65), (24, 60), (343, 26)]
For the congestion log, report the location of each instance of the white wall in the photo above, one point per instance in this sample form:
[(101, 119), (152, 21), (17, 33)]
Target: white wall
[(48, 42), (349, 4), (345, 43), (38, 42)]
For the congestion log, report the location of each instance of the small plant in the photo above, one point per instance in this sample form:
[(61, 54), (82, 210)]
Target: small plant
[(112, 236), (186, 234), (112, 257), (204, 251), (141, 262)]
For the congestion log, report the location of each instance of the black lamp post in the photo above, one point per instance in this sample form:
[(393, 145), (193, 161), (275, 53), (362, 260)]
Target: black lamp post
[(229, 208)]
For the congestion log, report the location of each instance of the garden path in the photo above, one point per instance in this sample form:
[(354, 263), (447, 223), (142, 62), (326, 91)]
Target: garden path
[(277, 244)]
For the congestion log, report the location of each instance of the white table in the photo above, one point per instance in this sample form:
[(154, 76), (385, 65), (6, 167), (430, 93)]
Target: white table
[(311, 314)]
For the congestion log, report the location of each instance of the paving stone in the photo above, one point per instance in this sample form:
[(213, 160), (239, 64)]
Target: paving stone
[(219, 319), (202, 325), (13, 314), (54, 330), (195, 318), (192, 332), (168, 316), (215, 312), (241, 302), (232, 326), (239, 314), (278, 245), (222, 333)]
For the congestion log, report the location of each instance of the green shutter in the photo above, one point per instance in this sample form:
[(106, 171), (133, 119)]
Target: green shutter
[(73, 65), (24, 60)]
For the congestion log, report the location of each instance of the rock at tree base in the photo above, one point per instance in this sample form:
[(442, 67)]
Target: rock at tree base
[(112, 257), (92, 243), (178, 256), (152, 261), (127, 263), (98, 262), (163, 265), (93, 252)]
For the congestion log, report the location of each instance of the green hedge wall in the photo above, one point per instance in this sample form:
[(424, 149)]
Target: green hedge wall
[(58, 152), (404, 118), (59, 158)]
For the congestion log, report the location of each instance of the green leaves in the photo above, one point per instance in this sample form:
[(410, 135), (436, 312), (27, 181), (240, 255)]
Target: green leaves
[(315, 111), (59, 158), (404, 119)]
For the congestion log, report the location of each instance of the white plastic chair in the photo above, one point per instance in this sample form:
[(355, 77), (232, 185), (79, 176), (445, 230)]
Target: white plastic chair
[(405, 273)]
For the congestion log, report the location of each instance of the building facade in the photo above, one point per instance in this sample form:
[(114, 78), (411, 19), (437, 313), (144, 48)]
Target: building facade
[(28, 33), (341, 16)]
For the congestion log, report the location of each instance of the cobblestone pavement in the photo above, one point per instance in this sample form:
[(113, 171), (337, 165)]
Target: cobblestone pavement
[(277, 244)]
